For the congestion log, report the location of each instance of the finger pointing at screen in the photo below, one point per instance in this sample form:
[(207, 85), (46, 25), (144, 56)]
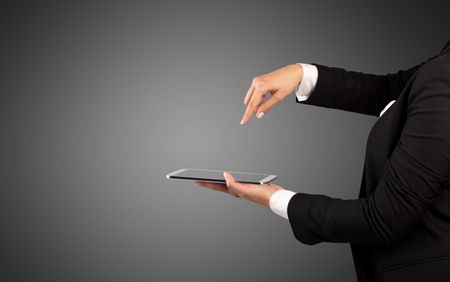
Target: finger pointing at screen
[(278, 83)]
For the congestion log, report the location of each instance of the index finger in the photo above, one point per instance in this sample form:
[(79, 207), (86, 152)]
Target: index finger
[(252, 104)]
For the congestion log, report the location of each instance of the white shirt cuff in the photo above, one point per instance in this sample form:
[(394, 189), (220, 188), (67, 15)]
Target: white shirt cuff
[(279, 201), (308, 83)]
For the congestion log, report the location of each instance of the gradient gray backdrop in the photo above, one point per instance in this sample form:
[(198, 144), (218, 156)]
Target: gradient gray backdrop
[(100, 100)]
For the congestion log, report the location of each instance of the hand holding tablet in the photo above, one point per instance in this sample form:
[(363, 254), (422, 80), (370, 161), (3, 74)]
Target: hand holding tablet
[(226, 182)]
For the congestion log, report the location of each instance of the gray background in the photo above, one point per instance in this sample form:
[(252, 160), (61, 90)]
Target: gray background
[(100, 100)]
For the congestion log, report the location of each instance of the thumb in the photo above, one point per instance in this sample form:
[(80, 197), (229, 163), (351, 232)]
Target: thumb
[(231, 181), (264, 108)]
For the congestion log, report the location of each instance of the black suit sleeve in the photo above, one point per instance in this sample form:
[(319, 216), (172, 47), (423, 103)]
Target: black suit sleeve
[(356, 91), (413, 176)]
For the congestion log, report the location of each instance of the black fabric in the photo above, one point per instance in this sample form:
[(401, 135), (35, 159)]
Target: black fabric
[(402, 215), (446, 47), (357, 92)]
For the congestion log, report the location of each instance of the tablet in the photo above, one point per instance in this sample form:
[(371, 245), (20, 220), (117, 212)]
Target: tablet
[(216, 176)]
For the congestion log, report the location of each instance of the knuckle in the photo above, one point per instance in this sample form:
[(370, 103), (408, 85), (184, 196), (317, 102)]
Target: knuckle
[(253, 104), (256, 101), (258, 82), (254, 108)]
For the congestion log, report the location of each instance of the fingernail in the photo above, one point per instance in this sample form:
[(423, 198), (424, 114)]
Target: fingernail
[(242, 121), (260, 115)]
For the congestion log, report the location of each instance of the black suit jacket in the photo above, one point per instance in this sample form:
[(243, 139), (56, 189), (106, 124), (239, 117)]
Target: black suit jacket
[(399, 227)]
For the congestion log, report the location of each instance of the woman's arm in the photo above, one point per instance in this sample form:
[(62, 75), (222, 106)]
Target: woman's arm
[(335, 88), (413, 177), (356, 91)]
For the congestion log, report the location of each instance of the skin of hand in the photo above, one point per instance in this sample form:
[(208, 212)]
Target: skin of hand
[(259, 194), (278, 83)]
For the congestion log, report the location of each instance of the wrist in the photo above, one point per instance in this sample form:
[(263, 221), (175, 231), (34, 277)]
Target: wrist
[(297, 74), (270, 190)]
